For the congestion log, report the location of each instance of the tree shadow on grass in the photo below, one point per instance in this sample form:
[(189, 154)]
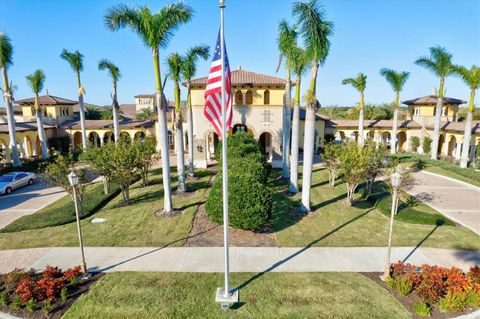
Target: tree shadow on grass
[(439, 223), (302, 250)]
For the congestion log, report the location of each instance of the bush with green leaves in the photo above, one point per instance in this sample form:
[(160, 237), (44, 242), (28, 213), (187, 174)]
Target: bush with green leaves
[(331, 158), (249, 198), (427, 144), (354, 165), (414, 143), (422, 309)]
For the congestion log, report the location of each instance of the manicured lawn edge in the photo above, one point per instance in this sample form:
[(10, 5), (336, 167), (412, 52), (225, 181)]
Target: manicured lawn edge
[(62, 211)]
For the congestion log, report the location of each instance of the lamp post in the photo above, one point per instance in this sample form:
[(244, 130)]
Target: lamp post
[(396, 178), (73, 179)]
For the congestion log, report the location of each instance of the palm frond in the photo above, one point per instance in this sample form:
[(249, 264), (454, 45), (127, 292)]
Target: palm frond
[(359, 83), (298, 61), (471, 76), (36, 81), (174, 62), (112, 69), (396, 79), (439, 62), (6, 51), (74, 59), (189, 66)]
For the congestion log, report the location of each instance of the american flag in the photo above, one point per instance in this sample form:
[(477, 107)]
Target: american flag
[(213, 92)]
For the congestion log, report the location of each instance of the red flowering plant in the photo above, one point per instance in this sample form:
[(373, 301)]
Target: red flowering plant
[(72, 274), (431, 285), (405, 272), (26, 289)]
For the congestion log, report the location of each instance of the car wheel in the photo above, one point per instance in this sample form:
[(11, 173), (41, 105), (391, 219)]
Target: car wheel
[(8, 190), (30, 181)]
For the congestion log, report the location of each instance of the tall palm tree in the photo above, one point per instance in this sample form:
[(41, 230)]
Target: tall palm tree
[(397, 81), (298, 62), (6, 60), (359, 83), (75, 59), (174, 63), (115, 74), (472, 79), (440, 63), (145, 114), (316, 32), (189, 68), (36, 81), (156, 31), (287, 40)]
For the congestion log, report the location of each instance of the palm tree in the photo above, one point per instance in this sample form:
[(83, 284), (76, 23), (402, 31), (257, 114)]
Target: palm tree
[(316, 32), (145, 114), (92, 113), (156, 31), (359, 83), (472, 79), (108, 114), (75, 59), (189, 68), (115, 74), (287, 40), (37, 81), (6, 60), (175, 62), (440, 63), (298, 62), (397, 81)]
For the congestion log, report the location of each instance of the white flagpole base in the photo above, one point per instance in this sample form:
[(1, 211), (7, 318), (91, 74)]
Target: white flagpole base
[(225, 302)]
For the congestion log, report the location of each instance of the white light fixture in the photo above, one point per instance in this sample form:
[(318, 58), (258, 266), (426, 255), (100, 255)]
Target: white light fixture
[(73, 178), (396, 178)]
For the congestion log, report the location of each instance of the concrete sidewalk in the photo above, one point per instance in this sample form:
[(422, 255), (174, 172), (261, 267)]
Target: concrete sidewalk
[(243, 259)]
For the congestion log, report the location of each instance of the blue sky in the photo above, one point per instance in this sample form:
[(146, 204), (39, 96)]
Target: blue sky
[(369, 35)]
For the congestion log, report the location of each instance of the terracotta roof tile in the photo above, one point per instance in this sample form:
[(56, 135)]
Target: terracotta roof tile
[(457, 127), (47, 100), (341, 123), (432, 100), (98, 124), (243, 77), (23, 126)]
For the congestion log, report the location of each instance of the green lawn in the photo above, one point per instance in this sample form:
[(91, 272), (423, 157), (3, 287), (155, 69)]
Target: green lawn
[(133, 225), (335, 224), (271, 295)]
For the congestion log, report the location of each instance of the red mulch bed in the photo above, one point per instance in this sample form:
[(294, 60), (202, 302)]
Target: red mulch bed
[(409, 300)]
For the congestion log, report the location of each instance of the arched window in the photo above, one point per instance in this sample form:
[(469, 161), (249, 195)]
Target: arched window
[(238, 97), (249, 97), (266, 97)]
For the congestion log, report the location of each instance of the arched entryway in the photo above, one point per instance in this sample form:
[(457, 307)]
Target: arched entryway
[(77, 140), (370, 135), (139, 136), (171, 140), (108, 137), (265, 140), (386, 137), (441, 142), (401, 139), (452, 145), (124, 136), (239, 128), (94, 139), (211, 141)]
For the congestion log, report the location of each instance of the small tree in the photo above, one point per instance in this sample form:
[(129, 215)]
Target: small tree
[(415, 143), (146, 156), (377, 161), (427, 144), (354, 166), (406, 182), (98, 159), (331, 157)]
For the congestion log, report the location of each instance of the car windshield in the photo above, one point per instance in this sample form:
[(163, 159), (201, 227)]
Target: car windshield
[(6, 178)]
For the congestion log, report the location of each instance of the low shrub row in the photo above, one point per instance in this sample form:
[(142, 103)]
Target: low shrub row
[(63, 211), (250, 199), (32, 291), (449, 289), (33, 164)]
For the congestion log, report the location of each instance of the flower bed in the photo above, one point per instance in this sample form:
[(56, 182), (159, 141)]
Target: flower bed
[(446, 289), (38, 295)]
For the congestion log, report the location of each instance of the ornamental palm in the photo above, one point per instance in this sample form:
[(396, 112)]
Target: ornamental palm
[(316, 32), (189, 68), (287, 40), (440, 63), (174, 63), (36, 81), (472, 79), (115, 74), (75, 59), (6, 60), (359, 83), (156, 31), (298, 63), (397, 81)]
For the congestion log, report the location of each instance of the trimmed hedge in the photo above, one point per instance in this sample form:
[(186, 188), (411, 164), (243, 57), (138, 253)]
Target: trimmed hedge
[(250, 199), (63, 211), (33, 164)]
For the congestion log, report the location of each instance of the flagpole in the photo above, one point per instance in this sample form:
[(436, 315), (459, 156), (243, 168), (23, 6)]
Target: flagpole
[(226, 291)]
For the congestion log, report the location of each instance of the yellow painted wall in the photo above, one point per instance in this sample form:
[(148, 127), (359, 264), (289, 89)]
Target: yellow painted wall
[(276, 95), (428, 110)]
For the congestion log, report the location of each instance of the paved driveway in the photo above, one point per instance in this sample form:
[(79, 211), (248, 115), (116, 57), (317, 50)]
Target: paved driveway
[(26, 200), (457, 200)]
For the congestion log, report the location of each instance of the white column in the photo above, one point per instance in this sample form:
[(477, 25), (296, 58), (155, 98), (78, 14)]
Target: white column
[(458, 150), (26, 147), (445, 146), (34, 148), (22, 150), (7, 153)]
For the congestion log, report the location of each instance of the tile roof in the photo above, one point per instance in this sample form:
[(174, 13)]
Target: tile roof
[(47, 100), (98, 124), (243, 77), (303, 113), (23, 126), (457, 126), (432, 100), (341, 123)]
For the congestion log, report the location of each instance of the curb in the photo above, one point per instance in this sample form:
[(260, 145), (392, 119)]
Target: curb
[(451, 179)]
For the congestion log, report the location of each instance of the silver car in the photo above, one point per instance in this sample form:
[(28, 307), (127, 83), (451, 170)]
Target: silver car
[(11, 181)]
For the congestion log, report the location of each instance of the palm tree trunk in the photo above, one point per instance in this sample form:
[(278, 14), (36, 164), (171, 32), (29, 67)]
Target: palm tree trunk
[(191, 169), (41, 131), (438, 118), (180, 156), (116, 128), (393, 140), (467, 135), (10, 120), (293, 187), (361, 120), (309, 141), (82, 113), (286, 128), (162, 133)]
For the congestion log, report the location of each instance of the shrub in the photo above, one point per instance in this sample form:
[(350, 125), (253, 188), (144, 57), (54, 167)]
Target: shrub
[(404, 285), (13, 278), (414, 143), (474, 275), (427, 144), (16, 303), (64, 294), (422, 309), (26, 289), (4, 298), (453, 301), (46, 306), (72, 274), (390, 282), (31, 305), (473, 297), (431, 286)]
